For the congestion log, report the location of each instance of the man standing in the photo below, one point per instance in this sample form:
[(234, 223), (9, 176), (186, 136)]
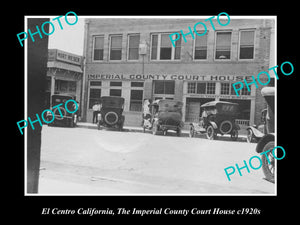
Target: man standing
[(96, 110)]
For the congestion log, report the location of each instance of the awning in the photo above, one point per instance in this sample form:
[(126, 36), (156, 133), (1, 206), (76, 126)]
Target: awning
[(65, 66)]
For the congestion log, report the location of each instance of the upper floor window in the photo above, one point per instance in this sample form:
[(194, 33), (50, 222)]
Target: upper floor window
[(223, 45), (133, 46), (115, 51), (200, 50), (246, 44), (98, 48), (162, 48)]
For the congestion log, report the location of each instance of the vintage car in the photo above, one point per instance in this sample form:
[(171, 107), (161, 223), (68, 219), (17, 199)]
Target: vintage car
[(68, 119), (218, 117), (164, 115), (254, 132), (267, 142), (111, 112)]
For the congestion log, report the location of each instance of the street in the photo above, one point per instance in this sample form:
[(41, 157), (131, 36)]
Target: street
[(106, 162)]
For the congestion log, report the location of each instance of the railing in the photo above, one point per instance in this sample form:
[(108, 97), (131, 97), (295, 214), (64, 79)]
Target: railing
[(242, 122)]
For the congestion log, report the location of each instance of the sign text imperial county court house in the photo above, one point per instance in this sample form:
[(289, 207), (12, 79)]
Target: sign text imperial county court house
[(167, 77)]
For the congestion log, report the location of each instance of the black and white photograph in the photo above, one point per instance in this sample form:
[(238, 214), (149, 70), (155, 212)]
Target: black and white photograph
[(152, 106)]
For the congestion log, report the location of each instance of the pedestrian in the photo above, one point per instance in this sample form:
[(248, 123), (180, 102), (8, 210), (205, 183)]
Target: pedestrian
[(96, 110)]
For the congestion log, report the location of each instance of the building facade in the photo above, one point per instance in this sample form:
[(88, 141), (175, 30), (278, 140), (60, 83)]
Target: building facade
[(64, 74), (134, 58)]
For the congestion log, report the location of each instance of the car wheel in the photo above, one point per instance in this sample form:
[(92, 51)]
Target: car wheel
[(192, 132), (210, 133), (268, 168), (249, 136), (234, 135)]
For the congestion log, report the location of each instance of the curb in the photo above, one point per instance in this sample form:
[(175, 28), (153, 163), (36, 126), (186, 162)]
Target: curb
[(138, 129)]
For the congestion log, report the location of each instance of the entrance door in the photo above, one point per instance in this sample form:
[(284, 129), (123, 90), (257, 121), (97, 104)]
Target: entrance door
[(192, 111)]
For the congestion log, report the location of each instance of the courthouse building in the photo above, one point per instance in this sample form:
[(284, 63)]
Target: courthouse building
[(134, 58)]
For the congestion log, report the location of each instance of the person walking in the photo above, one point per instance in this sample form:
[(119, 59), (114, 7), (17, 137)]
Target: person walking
[(96, 109)]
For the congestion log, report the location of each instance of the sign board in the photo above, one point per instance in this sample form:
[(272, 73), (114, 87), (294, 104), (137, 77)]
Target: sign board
[(232, 78), (55, 54)]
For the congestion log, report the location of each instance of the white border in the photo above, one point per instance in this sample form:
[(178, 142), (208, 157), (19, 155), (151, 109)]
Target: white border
[(150, 17)]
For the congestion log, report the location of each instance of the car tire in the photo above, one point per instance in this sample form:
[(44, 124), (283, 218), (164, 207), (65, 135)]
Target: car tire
[(210, 133), (268, 168)]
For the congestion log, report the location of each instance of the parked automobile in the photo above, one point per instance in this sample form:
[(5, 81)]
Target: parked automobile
[(254, 132), (218, 117), (111, 112), (164, 115), (267, 142), (68, 119)]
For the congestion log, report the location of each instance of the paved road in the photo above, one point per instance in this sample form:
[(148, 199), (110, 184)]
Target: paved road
[(105, 162)]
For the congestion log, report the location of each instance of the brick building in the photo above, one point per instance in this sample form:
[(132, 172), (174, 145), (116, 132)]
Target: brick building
[(134, 58)]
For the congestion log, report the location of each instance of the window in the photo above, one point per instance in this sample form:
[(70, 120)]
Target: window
[(243, 91), (225, 87), (201, 88), (133, 46), (115, 84), (98, 48), (64, 86), (115, 92), (95, 83), (247, 44), (223, 45), (211, 88), (200, 51), (95, 95), (192, 87), (137, 84), (154, 42), (164, 87), (162, 48), (136, 100), (115, 47)]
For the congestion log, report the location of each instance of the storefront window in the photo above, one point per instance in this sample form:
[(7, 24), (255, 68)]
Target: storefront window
[(164, 87), (225, 87), (115, 83), (95, 95), (223, 45), (115, 92), (136, 100), (211, 88), (65, 86)]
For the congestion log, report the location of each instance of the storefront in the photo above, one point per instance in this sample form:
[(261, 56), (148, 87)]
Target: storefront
[(64, 74), (136, 60), (192, 90)]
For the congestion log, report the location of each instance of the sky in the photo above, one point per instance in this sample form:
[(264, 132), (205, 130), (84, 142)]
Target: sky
[(70, 39)]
